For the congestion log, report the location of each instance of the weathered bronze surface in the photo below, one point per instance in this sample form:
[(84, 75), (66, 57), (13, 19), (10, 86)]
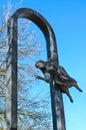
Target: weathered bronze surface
[(54, 74), (11, 74), (62, 80)]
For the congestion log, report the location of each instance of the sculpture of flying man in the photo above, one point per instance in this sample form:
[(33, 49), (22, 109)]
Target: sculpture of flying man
[(61, 78)]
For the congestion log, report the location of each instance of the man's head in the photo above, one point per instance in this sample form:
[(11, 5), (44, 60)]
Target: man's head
[(40, 64)]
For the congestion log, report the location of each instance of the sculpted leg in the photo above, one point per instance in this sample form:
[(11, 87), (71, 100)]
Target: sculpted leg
[(77, 87), (68, 94)]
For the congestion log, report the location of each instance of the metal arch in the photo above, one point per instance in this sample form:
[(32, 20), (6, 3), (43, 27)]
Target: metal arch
[(11, 75), (41, 22)]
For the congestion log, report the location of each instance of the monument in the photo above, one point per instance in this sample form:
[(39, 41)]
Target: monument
[(54, 74)]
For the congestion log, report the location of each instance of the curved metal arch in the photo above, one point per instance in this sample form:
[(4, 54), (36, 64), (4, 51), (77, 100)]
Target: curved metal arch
[(41, 22), (11, 73)]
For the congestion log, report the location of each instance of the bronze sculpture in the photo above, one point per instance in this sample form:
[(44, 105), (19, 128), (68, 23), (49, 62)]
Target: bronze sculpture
[(53, 73), (62, 80)]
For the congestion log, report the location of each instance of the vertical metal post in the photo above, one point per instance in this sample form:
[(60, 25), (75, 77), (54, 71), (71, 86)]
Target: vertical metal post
[(11, 88), (11, 77), (56, 96), (57, 109)]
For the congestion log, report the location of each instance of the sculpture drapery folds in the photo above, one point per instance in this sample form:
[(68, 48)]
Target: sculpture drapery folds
[(61, 78)]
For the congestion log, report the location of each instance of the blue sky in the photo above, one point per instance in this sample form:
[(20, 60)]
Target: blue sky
[(68, 20)]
